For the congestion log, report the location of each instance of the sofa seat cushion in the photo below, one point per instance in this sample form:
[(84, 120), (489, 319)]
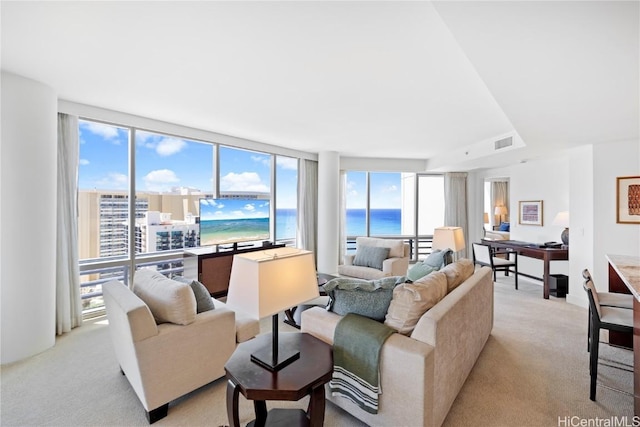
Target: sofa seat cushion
[(411, 300), (369, 298), (169, 301), (457, 272), (371, 256), (365, 273)]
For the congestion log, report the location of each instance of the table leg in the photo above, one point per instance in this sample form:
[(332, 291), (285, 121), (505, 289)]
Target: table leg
[(315, 412), (260, 407), (545, 278), (233, 391)]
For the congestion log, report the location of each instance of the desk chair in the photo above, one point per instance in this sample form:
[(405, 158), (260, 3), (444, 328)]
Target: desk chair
[(607, 299), (483, 255), (610, 318)]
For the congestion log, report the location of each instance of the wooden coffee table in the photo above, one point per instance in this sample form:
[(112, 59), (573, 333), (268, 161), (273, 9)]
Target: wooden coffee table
[(305, 376)]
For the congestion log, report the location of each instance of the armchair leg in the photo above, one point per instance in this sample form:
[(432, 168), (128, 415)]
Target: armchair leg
[(157, 414), (593, 365)]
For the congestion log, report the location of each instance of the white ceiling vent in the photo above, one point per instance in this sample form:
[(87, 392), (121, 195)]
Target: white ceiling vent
[(504, 142)]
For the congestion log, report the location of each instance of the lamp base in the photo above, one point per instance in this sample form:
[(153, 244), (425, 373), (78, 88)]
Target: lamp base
[(565, 236), (284, 357)]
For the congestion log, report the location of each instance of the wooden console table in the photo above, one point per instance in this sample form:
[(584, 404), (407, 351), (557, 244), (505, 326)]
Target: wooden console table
[(624, 276), (212, 267), (533, 250)]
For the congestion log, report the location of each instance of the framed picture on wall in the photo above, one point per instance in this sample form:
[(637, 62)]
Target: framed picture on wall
[(628, 200), (530, 212)]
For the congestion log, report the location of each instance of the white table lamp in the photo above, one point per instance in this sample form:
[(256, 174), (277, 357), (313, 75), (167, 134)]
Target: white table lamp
[(264, 283), (448, 238), (500, 211)]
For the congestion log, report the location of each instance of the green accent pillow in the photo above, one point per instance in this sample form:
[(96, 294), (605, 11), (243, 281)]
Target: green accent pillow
[(419, 270), (371, 256), (203, 298), (369, 298), (438, 258)]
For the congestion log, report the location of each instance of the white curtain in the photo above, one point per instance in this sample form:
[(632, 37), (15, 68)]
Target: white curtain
[(455, 204), (499, 197), (68, 302), (343, 216), (308, 205)]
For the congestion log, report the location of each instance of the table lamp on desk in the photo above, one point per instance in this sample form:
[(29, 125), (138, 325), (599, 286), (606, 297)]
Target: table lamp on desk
[(562, 219)]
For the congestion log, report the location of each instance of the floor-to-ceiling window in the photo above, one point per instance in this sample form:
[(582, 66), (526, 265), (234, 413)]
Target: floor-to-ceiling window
[(394, 205), (169, 175)]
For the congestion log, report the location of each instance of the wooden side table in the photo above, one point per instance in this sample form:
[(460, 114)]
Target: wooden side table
[(305, 376)]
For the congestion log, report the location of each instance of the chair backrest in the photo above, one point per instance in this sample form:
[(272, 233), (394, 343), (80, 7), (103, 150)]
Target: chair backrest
[(482, 253), (590, 288)]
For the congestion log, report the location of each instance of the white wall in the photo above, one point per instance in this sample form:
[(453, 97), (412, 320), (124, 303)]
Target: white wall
[(583, 181), (28, 228)]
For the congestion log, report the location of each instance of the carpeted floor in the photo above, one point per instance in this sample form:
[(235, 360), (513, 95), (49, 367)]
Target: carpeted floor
[(532, 372)]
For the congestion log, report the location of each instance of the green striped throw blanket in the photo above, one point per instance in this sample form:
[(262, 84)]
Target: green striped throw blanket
[(356, 354)]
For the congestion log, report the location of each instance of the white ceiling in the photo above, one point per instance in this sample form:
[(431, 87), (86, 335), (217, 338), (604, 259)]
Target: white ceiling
[(439, 81)]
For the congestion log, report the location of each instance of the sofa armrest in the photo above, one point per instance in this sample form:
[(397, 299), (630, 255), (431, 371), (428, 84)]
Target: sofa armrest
[(348, 259)]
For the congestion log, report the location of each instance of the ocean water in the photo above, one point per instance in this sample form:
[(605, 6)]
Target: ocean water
[(222, 231), (383, 222)]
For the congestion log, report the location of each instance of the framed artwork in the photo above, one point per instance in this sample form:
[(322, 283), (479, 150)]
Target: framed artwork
[(628, 200), (530, 213)]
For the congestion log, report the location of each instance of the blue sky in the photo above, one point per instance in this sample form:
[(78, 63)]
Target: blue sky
[(385, 190), (163, 162)]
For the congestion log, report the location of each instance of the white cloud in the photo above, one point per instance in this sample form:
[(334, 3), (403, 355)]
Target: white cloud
[(160, 180), (389, 189), (113, 180), (142, 136), (287, 163), (237, 213), (261, 159), (249, 207), (245, 181), (106, 131), (83, 162), (170, 146)]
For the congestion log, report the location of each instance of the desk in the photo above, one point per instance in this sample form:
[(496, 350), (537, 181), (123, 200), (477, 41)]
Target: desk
[(626, 270), (533, 250), (305, 376)]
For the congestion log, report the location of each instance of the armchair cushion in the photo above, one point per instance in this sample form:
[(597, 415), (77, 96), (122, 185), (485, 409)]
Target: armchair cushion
[(168, 300), (371, 256), (369, 298)]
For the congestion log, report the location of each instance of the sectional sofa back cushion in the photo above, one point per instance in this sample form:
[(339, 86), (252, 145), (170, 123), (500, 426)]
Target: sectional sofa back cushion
[(169, 301), (396, 247), (411, 300), (457, 272), (369, 298)]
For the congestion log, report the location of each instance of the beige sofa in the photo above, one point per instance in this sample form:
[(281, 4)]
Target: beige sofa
[(164, 361), (421, 374), (396, 263)]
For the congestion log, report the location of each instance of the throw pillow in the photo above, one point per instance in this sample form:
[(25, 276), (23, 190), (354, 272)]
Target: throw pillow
[(438, 258), (369, 298), (411, 300), (458, 272), (203, 297), (504, 226), (419, 270), (371, 256), (169, 301)]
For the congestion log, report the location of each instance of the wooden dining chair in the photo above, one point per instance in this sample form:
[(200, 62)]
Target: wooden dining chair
[(610, 318), (484, 255)]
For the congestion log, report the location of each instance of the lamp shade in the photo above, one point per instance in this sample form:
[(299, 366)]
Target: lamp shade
[(562, 219), (485, 218), (263, 283), (448, 238), (500, 210)]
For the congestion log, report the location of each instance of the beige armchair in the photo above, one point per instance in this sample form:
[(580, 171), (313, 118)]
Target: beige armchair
[(164, 361), (364, 264)]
